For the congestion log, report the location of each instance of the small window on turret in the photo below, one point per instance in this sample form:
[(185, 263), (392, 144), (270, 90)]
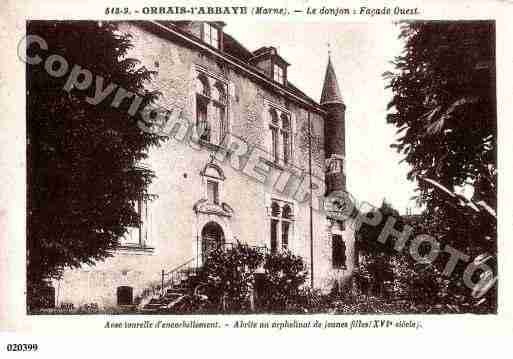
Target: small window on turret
[(338, 252)]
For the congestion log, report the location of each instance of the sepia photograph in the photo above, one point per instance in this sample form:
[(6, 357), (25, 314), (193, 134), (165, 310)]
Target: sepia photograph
[(203, 167)]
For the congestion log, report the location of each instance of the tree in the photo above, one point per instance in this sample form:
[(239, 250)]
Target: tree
[(368, 234), (444, 109), (81, 158), (285, 275), (375, 264), (229, 276), (444, 105)]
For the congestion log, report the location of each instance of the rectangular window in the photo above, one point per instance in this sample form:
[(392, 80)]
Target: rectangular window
[(211, 35), (286, 148), (202, 125), (213, 192), (222, 121), (285, 234), (338, 252), (278, 74), (137, 208), (218, 124), (274, 144), (140, 209), (134, 235), (274, 235)]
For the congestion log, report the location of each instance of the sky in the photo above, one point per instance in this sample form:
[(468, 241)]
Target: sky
[(360, 53)]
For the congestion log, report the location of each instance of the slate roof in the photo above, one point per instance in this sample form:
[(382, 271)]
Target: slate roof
[(237, 52), (330, 90)]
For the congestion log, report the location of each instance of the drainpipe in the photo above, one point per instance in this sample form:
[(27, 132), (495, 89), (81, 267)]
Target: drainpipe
[(197, 251), (162, 282), (311, 199)]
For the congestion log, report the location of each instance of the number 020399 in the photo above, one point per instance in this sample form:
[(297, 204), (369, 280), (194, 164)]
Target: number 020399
[(22, 347)]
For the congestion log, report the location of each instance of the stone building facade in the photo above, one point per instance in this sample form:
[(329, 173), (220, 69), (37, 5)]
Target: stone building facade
[(258, 195)]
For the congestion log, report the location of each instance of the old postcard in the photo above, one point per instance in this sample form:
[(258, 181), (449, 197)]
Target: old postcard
[(286, 167)]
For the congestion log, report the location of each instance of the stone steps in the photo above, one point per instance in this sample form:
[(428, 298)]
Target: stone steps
[(167, 303), (175, 297)]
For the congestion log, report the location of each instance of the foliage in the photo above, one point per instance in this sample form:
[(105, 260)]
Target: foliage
[(420, 283), (365, 304), (367, 234), (444, 109), (310, 300), (444, 105), (229, 275), (375, 268), (285, 274), (81, 159)]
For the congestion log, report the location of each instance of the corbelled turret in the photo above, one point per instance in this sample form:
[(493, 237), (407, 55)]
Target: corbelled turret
[(334, 132)]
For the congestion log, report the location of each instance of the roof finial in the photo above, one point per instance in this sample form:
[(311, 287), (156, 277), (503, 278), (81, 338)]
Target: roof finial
[(329, 50)]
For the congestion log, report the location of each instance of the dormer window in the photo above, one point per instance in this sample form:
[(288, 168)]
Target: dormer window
[(271, 63), (211, 35), (278, 74)]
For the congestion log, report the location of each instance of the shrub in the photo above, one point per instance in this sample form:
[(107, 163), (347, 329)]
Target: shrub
[(285, 275), (228, 276), (228, 280)]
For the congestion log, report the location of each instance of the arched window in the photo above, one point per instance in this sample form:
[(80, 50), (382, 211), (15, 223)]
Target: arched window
[(202, 85), (219, 111), (275, 209), (281, 214), (285, 122), (287, 212), (202, 100), (219, 93), (286, 134), (274, 117), (274, 126), (211, 109), (275, 213), (125, 295), (280, 128)]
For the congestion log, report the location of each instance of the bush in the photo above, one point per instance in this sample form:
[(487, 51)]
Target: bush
[(228, 276), (285, 275), (228, 280)]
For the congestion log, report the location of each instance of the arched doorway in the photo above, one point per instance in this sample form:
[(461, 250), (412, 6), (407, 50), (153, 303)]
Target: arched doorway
[(212, 237)]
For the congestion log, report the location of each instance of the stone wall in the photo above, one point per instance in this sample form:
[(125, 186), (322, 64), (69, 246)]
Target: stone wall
[(175, 228)]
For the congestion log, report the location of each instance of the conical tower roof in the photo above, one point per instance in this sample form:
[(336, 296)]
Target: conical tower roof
[(330, 90)]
